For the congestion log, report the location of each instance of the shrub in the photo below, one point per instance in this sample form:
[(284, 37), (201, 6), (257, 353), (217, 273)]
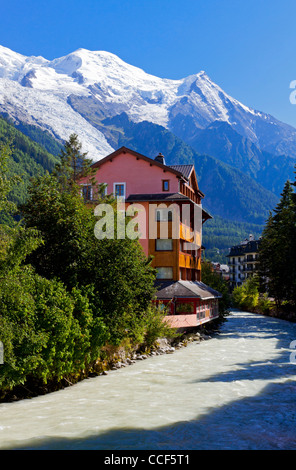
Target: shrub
[(246, 296), (47, 332)]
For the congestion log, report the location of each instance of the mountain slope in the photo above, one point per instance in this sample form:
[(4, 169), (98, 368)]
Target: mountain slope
[(54, 94), (229, 192), (221, 141), (28, 158)]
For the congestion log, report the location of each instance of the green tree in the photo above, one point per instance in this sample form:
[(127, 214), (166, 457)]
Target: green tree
[(277, 253), (6, 182), (119, 275), (73, 165), (48, 332), (246, 296)]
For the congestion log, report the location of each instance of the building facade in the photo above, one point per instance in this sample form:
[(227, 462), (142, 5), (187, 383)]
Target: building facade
[(243, 261), (166, 202)]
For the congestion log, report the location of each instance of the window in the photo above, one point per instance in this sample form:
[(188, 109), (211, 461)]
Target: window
[(119, 190), (185, 307), (165, 185), (163, 244), (103, 189), (164, 273), (86, 192), (164, 215)]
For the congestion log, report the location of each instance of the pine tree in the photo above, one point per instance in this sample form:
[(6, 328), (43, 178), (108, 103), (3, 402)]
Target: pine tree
[(75, 167), (6, 182), (74, 164), (277, 266)]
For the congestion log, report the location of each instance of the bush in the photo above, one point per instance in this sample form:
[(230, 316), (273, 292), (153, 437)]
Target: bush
[(47, 332), (246, 296), (155, 327)]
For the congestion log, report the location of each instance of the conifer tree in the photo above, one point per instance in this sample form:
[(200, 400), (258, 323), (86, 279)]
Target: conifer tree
[(74, 164), (277, 266), (6, 182)]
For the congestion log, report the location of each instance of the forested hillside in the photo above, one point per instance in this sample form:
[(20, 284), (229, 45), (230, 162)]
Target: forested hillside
[(29, 158), (218, 235)]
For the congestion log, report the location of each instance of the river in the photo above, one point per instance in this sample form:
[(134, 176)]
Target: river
[(235, 390)]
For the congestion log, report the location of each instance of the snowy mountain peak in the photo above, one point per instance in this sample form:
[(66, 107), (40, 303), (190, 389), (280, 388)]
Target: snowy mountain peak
[(10, 62), (72, 93), (96, 66)]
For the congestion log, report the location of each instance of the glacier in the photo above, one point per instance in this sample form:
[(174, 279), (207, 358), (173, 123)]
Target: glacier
[(38, 91)]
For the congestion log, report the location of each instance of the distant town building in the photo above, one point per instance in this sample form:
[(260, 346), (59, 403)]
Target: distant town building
[(243, 261), (221, 269)]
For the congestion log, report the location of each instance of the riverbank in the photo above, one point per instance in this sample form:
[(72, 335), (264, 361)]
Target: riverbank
[(162, 346), (285, 312), (114, 358)]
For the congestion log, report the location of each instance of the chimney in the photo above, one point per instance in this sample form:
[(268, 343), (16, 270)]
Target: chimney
[(160, 159)]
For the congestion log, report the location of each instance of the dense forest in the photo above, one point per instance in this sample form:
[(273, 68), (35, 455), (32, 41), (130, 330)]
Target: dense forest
[(29, 158)]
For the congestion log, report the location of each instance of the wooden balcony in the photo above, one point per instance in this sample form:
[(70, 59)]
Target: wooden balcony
[(190, 193), (188, 234), (189, 261)]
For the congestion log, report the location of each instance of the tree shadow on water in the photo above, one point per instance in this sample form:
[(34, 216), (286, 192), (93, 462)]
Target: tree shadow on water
[(264, 422)]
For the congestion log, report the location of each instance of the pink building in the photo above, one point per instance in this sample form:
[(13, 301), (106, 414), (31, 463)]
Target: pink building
[(156, 187)]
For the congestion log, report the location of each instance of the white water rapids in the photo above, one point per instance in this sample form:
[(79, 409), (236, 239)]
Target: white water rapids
[(235, 390)]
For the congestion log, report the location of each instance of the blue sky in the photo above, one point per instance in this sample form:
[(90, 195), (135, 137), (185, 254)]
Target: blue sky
[(245, 46)]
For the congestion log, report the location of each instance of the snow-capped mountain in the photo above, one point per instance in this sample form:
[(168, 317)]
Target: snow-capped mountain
[(76, 92)]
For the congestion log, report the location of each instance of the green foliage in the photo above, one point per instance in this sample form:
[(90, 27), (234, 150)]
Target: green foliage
[(28, 159), (246, 296), (74, 165), (116, 269), (46, 330), (116, 272), (43, 138), (154, 325), (244, 200), (218, 235), (64, 223), (65, 294), (277, 254)]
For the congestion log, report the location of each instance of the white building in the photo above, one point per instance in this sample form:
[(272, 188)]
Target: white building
[(243, 261)]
